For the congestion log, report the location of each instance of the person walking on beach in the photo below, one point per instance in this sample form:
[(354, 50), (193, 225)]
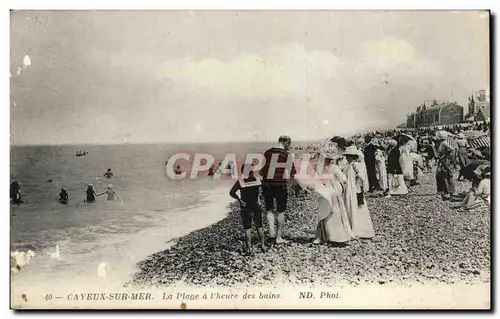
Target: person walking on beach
[(111, 193), (357, 210), (249, 207), (274, 187), (90, 194)]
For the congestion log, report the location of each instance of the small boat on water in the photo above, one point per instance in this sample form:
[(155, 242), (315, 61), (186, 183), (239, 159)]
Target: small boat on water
[(81, 153)]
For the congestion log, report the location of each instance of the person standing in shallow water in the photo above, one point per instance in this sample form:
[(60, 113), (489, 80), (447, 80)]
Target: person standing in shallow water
[(15, 193), (108, 174), (249, 207), (63, 196), (111, 193), (90, 194)]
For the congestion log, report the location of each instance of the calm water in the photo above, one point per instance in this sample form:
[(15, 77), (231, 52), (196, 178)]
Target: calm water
[(153, 208)]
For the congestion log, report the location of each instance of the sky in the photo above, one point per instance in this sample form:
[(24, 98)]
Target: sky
[(106, 77)]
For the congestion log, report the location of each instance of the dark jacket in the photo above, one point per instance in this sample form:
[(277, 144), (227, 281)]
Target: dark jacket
[(393, 165)]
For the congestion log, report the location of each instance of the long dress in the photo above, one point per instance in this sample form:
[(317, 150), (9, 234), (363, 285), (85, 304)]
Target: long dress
[(406, 162), (463, 158), (333, 225), (371, 162), (359, 216), (382, 170), (444, 170), (396, 181)]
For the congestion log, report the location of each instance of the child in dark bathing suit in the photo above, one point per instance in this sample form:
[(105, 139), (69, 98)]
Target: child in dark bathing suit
[(250, 210), (90, 194)]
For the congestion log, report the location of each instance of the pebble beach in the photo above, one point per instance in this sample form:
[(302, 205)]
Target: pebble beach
[(419, 239)]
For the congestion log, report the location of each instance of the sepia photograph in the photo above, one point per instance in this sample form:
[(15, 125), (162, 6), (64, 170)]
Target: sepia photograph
[(250, 159)]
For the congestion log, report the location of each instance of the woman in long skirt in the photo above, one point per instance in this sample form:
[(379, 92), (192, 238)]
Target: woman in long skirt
[(382, 171), (444, 171), (333, 225), (396, 180), (357, 210)]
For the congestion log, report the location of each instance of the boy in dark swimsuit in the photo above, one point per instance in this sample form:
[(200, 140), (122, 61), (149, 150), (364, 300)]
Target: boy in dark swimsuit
[(249, 203)]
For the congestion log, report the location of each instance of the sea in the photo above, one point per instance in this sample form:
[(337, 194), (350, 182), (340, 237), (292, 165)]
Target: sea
[(101, 243)]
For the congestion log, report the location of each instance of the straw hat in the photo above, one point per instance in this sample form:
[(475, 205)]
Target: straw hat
[(442, 135), (90, 185), (331, 150), (351, 150), (110, 186)]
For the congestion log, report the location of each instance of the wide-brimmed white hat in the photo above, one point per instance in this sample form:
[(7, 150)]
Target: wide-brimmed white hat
[(442, 135), (351, 150), (330, 150), (392, 143)]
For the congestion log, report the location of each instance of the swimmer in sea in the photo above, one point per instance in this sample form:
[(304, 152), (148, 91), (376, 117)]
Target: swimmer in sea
[(111, 193), (15, 193), (90, 194), (63, 196), (108, 174), (178, 170)]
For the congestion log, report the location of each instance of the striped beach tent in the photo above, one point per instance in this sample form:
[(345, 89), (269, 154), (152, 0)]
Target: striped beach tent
[(477, 139), (480, 141)]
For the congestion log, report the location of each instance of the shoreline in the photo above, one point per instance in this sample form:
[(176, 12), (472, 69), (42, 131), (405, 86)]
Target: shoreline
[(140, 246)]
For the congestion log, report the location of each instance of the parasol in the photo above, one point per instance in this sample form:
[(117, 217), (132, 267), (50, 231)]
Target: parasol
[(341, 141), (333, 147)]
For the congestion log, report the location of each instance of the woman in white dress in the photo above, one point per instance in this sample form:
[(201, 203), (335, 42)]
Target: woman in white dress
[(333, 225), (382, 171), (406, 162), (357, 210)]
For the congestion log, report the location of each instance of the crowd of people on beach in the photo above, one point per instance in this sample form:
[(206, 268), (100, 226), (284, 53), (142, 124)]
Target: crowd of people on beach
[(90, 193), (388, 163)]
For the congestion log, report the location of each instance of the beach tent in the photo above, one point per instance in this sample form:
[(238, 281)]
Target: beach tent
[(477, 139)]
